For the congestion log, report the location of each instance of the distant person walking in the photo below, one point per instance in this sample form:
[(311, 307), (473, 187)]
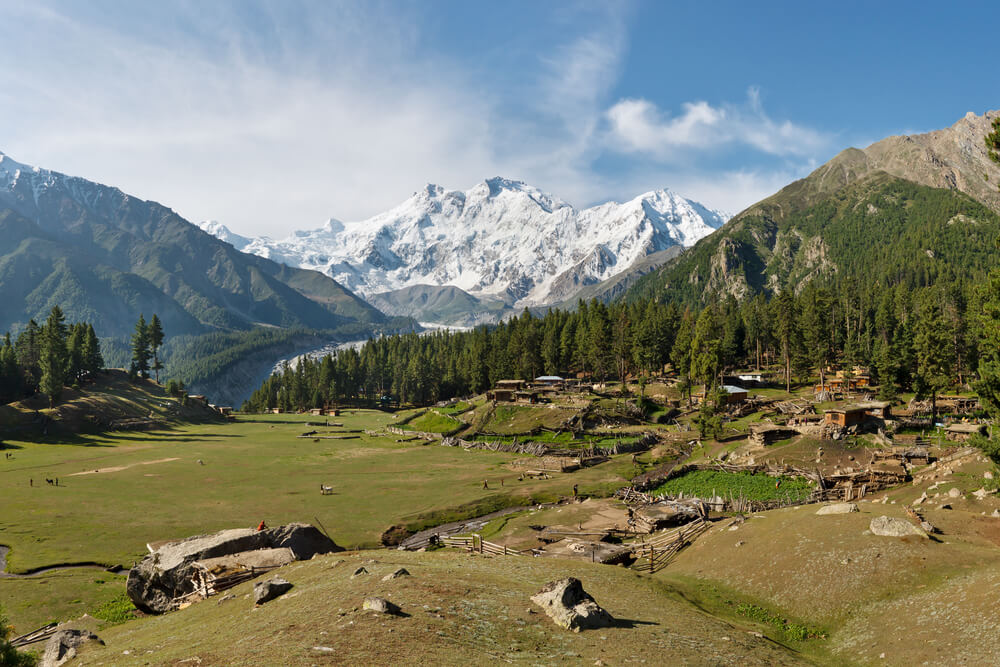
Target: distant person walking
[(575, 490), (486, 484), (261, 526)]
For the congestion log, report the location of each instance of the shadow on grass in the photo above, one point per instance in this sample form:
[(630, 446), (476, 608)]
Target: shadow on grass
[(630, 623)]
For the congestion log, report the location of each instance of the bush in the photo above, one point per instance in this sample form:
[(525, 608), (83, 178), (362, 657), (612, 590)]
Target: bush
[(988, 446), (10, 656), (116, 610)]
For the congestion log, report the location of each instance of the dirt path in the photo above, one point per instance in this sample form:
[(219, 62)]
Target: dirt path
[(120, 468)]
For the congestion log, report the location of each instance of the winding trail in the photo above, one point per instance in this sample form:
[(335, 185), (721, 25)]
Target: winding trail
[(4, 574)]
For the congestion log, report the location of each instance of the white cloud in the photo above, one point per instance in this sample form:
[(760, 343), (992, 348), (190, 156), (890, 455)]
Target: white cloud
[(268, 121), (639, 126)]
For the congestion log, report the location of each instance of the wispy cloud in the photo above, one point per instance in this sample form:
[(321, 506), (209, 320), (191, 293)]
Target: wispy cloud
[(639, 126), (270, 120)]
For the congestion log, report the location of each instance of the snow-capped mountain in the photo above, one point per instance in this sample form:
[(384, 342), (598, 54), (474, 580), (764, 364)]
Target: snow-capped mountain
[(501, 238), (223, 233)]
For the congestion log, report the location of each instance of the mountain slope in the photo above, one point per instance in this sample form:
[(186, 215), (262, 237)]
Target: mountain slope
[(905, 209), (105, 256), (501, 240)]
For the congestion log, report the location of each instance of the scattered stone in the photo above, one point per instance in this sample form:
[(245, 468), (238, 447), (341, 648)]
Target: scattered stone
[(380, 605), (740, 543), (570, 607), (401, 572), (265, 591), (61, 647), (224, 598), (981, 494), (323, 649), (987, 475), (360, 572), (892, 527), (953, 492), (928, 527), (838, 508), (996, 514), (944, 506)]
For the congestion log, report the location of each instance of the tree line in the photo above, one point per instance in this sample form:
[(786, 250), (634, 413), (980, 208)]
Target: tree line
[(923, 340), (48, 358)]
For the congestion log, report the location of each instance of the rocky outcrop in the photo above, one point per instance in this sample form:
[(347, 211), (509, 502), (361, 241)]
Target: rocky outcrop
[(380, 605), (265, 591), (570, 607), (61, 647), (168, 573), (891, 527), (838, 508)]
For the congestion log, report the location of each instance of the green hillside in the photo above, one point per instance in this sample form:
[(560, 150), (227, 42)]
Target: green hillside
[(877, 230)]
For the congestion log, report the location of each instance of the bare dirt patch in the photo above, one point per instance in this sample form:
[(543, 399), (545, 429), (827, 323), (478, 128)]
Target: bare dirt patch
[(120, 468)]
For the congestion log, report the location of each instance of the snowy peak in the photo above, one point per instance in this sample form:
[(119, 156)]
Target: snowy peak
[(223, 233), (502, 239)]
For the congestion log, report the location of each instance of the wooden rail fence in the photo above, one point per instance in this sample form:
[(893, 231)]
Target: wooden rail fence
[(656, 552), (476, 544)]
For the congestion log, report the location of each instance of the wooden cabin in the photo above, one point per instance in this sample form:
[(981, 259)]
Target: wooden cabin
[(879, 409), (845, 417), (526, 397), (963, 432)]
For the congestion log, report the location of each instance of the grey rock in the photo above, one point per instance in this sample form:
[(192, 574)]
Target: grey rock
[(265, 591), (61, 647), (570, 607), (167, 573), (892, 527), (380, 605), (953, 492), (401, 572), (838, 508)]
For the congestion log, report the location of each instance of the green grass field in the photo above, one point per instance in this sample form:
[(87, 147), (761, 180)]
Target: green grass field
[(119, 491), (432, 421), (706, 483)]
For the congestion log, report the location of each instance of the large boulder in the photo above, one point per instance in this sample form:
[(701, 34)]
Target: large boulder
[(838, 508), (168, 573), (265, 591), (570, 607), (380, 605), (61, 647), (892, 527)]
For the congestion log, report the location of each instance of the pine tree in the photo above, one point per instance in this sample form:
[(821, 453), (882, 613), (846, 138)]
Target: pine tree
[(934, 354), (93, 360), (988, 386), (54, 357), (140, 349), (155, 336)]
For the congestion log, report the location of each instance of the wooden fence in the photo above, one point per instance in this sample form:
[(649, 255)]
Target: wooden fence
[(656, 552), (476, 544)]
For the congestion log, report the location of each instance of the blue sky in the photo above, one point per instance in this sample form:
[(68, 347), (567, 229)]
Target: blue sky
[(276, 116)]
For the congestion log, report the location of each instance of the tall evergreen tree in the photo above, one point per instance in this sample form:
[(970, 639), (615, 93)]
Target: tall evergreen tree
[(54, 357), (140, 349), (934, 353), (155, 336)]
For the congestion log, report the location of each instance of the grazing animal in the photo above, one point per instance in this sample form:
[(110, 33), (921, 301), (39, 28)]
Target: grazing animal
[(325, 490)]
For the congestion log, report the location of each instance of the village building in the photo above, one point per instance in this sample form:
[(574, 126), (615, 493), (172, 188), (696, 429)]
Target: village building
[(735, 394), (505, 391), (962, 432), (550, 381), (857, 414)]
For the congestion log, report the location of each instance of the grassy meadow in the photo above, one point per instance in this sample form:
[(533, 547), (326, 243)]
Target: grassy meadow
[(118, 491)]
